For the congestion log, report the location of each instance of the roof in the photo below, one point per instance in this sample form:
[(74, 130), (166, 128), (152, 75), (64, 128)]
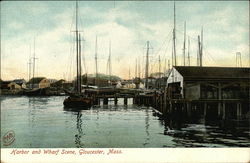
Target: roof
[(195, 72), (19, 81), (36, 80), (5, 82)]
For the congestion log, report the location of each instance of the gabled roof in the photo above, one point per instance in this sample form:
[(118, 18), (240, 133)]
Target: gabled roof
[(36, 80), (19, 81), (195, 72)]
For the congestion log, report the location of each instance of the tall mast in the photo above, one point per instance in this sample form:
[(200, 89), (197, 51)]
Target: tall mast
[(110, 61), (80, 66), (201, 47), (77, 52), (135, 67), (199, 52), (29, 63), (146, 70), (159, 66), (165, 67), (168, 65), (139, 68), (34, 63), (188, 51), (184, 44), (174, 38), (96, 70), (129, 73)]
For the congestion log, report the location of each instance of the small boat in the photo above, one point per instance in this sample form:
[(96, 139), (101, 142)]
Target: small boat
[(79, 102), (36, 92)]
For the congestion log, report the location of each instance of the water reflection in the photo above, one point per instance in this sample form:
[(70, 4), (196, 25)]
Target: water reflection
[(112, 126), (207, 133), (146, 127), (38, 102), (79, 129)]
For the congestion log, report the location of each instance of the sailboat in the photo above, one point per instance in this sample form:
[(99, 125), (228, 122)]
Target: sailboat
[(32, 90), (77, 99)]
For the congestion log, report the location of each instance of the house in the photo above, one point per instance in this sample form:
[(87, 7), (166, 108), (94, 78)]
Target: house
[(52, 80), (193, 83), (10, 85), (151, 82), (58, 84), (160, 83), (68, 85), (20, 82), (38, 82)]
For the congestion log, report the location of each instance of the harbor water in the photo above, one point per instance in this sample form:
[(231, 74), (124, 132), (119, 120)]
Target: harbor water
[(43, 122)]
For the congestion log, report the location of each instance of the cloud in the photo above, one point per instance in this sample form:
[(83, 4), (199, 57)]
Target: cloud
[(128, 31)]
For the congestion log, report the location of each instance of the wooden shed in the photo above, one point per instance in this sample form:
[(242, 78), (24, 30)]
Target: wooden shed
[(195, 83)]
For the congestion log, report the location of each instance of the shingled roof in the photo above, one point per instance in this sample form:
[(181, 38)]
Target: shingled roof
[(36, 80), (195, 72)]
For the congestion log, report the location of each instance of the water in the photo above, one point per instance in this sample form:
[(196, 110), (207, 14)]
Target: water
[(43, 122)]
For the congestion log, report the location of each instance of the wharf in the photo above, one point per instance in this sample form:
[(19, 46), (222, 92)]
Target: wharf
[(209, 108)]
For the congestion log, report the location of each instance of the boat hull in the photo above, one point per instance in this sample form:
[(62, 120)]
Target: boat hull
[(36, 92), (78, 102)]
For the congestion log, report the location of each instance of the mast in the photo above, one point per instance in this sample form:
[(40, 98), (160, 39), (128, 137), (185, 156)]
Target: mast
[(201, 47), (184, 44), (80, 66), (188, 51), (174, 38), (139, 68), (165, 67), (29, 63), (198, 52), (129, 73), (168, 65), (110, 61), (96, 70), (77, 52), (135, 67), (34, 63), (159, 66), (146, 70)]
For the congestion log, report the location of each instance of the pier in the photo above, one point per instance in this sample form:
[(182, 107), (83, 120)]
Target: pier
[(188, 94)]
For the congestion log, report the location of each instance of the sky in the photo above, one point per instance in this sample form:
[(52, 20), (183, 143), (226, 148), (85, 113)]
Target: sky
[(128, 25)]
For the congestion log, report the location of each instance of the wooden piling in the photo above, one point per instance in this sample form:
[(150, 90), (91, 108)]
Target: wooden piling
[(188, 109), (239, 110), (105, 101), (223, 110), (116, 100), (219, 109), (125, 101)]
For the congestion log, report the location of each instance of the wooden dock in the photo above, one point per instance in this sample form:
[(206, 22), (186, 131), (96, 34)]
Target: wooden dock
[(208, 108)]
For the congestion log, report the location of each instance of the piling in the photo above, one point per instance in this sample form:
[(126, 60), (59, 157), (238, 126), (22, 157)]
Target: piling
[(239, 110), (223, 110), (105, 101), (205, 109), (116, 100), (125, 101)]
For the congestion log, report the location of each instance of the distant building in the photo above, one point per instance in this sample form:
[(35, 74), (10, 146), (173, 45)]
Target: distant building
[(67, 85), (161, 83), (151, 82), (58, 84), (20, 82), (10, 85), (208, 83), (38, 82), (129, 85), (52, 80)]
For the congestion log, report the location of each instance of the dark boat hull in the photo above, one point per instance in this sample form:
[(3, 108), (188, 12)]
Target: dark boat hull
[(36, 92), (78, 102)]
